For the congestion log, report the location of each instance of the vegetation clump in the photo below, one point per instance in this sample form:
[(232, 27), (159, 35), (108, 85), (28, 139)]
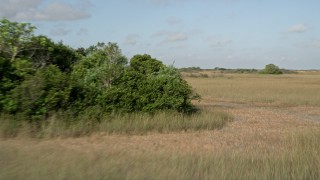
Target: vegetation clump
[(271, 69), (39, 77)]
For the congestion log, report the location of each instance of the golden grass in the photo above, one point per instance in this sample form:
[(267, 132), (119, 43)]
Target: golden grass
[(287, 90), (57, 160), (133, 123)]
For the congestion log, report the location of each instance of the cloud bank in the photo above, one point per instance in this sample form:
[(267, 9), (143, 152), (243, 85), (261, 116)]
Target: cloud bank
[(36, 10)]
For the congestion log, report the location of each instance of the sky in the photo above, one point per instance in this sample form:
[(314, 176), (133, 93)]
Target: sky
[(185, 33)]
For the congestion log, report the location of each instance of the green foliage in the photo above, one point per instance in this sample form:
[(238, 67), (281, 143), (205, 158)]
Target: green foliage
[(40, 77), (43, 51), (145, 64), (17, 41), (148, 85), (219, 69), (190, 69), (95, 73), (47, 90), (13, 37), (12, 74), (239, 70), (271, 69)]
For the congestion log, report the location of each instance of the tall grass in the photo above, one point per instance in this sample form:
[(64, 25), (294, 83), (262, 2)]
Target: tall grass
[(53, 161), (286, 90), (134, 123)]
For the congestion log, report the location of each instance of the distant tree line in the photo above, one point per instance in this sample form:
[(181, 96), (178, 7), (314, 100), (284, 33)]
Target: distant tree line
[(39, 77), (269, 69)]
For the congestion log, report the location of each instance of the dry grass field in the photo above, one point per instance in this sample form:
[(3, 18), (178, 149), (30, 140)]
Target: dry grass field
[(275, 134)]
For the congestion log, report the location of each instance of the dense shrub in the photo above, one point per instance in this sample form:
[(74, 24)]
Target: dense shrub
[(148, 85), (271, 69), (45, 91)]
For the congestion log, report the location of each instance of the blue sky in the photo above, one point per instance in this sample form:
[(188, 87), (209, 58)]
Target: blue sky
[(205, 33)]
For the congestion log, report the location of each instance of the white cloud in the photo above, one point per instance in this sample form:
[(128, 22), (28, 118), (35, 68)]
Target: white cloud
[(316, 43), (36, 10), (298, 28), (174, 37), (82, 31), (218, 41), (230, 56), (171, 36), (309, 44), (9, 8), (283, 58), (161, 33), (59, 30), (174, 21), (132, 39)]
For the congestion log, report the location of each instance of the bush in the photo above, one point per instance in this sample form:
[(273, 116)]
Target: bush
[(39, 94), (271, 69), (148, 85)]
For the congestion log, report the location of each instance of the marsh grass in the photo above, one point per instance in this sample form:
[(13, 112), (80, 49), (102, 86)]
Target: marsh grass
[(52, 157), (284, 90), (51, 161), (133, 123)]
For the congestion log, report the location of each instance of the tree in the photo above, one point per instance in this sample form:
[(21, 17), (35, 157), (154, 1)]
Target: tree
[(148, 85), (116, 62), (18, 42), (271, 69), (62, 56), (45, 91), (14, 37), (104, 63), (96, 72), (145, 64)]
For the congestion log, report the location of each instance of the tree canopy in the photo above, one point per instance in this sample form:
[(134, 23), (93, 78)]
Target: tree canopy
[(271, 69)]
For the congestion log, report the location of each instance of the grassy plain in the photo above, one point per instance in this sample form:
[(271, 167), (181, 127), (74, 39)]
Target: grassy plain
[(275, 134), (301, 89)]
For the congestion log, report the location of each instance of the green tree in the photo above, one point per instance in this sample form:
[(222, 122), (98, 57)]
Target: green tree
[(148, 85), (43, 52), (145, 64), (271, 69), (18, 42), (45, 91), (12, 74), (22, 54), (96, 72), (14, 37)]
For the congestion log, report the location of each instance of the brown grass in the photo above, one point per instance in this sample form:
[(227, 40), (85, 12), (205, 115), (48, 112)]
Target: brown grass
[(284, 90)]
